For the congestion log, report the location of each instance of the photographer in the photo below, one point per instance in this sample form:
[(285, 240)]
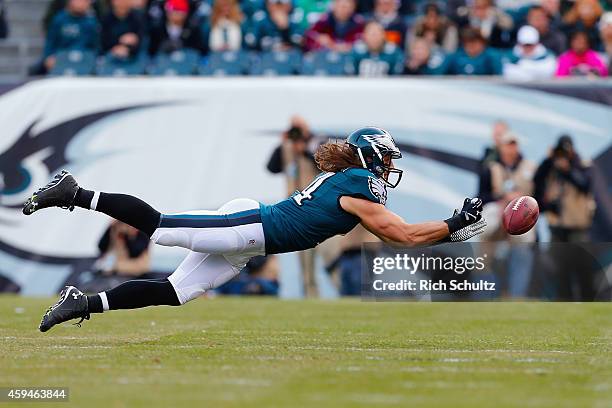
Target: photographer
[(563, 191), (123, 251), (295, 157)]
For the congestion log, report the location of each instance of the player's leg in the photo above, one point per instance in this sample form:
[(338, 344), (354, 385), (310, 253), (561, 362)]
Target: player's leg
[(63, 191), (196, 274), (132, 294)]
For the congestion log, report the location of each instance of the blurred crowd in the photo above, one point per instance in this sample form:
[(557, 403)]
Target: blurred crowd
[(519, 39)]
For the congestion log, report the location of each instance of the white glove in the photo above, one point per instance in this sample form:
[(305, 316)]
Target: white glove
[(468, 232)]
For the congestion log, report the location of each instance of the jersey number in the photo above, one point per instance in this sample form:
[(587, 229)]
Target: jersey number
[(307, 193)]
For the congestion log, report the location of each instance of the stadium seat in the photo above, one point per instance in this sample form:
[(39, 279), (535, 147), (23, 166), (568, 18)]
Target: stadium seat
[(183, 62), (327, 63), (227, 63), (74, 62), (276, 63), (110, 66)]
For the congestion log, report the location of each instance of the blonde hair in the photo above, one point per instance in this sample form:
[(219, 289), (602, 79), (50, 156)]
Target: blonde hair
[(336, 157), (235, 13)]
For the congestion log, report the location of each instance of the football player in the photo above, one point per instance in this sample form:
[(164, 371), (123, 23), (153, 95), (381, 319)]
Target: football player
[(351, 189)]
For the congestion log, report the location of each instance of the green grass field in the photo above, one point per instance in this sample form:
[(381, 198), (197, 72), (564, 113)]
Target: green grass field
[(266, 352)]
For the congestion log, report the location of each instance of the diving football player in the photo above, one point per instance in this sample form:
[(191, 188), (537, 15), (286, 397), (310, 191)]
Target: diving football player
[(351, 189)]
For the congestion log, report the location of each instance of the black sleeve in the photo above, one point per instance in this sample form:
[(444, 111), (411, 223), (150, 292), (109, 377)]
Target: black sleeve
[(106, 41), (104, 242), (485, 191), (275, 163)]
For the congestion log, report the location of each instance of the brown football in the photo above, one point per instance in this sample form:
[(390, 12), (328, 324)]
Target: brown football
[(520, 215)]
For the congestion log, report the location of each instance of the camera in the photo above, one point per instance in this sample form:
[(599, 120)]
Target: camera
[(295, 133)]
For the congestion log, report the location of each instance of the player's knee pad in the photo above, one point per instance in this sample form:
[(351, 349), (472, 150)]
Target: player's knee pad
[(172, 237)]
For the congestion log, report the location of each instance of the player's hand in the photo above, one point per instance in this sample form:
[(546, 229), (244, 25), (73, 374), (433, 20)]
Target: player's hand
[(472, 210), (470, 213)]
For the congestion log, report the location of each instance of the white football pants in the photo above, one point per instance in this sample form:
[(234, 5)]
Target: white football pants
[(221, 243)]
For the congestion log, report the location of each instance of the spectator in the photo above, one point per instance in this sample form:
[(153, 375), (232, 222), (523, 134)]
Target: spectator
[(436, 28), (553, 10), (491, 153), (198, 11), (551, 37), (3, 25), (226, 27), (295, 158), (177, 33), (124, 250), (99, 7), (494, 25), (508, 176), (375, 56), (605, 30), (386, 13), (583, 16), (475, 58), (122, 30), (73, 28), (502, 181), (529, 59), (337, 30), (580, 59), (423, 60), (563, 191), (274, 29)]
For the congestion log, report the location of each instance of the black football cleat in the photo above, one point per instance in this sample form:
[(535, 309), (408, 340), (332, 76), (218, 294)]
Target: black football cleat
[(60, 192), (71, 305)]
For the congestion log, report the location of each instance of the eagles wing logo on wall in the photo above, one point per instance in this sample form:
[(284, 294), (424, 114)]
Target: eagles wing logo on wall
[(378, 189), (16, 177)]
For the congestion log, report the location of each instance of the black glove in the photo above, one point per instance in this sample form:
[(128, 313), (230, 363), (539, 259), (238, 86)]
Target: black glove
[(469, 214)]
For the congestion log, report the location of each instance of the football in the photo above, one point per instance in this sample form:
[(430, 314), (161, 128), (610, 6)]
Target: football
[(520, 215)]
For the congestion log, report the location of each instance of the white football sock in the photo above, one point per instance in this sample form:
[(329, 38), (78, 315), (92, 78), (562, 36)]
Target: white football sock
[(104, 301), (94, 202)]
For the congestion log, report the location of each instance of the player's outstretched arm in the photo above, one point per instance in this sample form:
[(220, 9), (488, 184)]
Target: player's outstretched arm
[(390, 227)]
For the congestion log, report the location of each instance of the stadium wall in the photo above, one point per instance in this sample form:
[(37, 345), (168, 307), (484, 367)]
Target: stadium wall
[(186, 144)]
